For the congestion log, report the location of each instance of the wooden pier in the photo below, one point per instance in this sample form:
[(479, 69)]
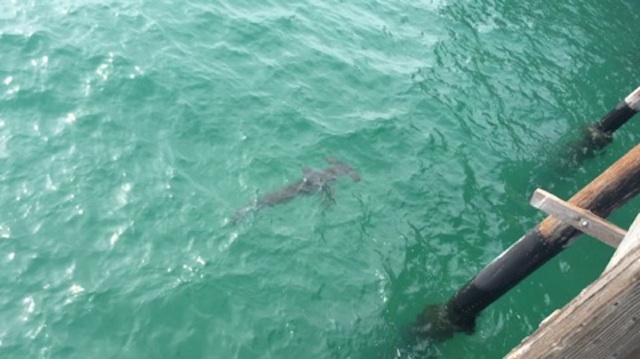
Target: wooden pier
[(583, 213), (603, 321)]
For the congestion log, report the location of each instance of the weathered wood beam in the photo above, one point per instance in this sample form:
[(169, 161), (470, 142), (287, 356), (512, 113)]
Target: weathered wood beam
[(579, 218)]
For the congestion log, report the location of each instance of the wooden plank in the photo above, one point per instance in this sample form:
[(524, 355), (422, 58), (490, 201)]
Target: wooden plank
[(630, 242), (579, 218), (601, 322), (612, 188)]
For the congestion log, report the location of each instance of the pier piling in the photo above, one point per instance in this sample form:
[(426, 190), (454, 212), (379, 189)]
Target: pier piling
[(610, 190), (600, 134)]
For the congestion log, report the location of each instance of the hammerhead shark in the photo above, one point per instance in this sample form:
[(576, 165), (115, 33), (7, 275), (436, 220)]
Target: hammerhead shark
[(313, 181)]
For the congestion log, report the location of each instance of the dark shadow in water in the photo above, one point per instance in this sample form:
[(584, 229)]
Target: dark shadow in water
[(588, 146), (557, 165)]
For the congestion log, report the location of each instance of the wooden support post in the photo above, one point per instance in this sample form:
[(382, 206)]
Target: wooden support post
[(601, 322), (602, 196), (579, 218), (598, 135), (621, 114)]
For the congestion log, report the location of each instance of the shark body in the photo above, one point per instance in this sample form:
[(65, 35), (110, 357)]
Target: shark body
[(312, 182)]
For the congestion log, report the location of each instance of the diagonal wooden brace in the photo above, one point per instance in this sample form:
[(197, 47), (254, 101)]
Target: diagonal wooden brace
[(581, 219)]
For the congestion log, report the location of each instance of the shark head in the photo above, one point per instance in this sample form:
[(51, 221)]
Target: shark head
[(315, 181), (340, 169)]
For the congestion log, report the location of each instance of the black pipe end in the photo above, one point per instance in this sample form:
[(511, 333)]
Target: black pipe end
[(438, 323)]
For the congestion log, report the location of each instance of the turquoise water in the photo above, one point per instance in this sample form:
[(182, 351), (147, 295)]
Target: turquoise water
[(130, 131)]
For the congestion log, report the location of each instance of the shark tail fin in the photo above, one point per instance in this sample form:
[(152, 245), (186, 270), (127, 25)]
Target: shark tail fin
[(240, 214)]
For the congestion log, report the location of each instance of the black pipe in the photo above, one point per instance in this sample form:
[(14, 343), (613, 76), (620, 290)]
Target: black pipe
[(623, 112), (600, 134), (459, 314)]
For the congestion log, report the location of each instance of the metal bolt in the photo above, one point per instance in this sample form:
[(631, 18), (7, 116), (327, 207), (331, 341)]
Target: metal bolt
[(584, 223)]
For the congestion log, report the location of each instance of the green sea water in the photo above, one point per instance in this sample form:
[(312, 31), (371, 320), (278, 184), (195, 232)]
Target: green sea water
[(131, 130)]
